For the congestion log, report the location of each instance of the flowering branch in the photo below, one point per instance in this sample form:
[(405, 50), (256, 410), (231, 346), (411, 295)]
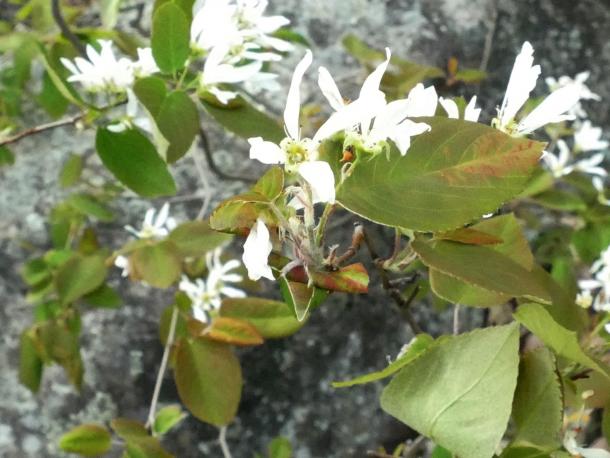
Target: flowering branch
[(42, 128)]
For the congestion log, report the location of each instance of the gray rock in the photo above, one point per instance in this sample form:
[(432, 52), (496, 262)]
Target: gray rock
[(287, 390)]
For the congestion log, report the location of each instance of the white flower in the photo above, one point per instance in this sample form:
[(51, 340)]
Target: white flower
[(578, 81), (134, 116), (552, 109), (298, 155), (256, 252), (599, 283), (152, 227), (389, 119), (588, 138), (145, 65), (122, 263), (206, 295), (598, 184), (216, 71), (559, 165), (471, 113), (570, 444), (236, 24), (103, 71)]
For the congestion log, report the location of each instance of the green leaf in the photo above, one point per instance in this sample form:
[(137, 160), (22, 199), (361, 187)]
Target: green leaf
[(79, 276), (449, 177), (87, 440), (447, 392), (151, 92), (591, 240), (170, 37), (416, 348), (128, 429), (440, 452), (71, 171), (51, 99), (168, 418), (246, 121), (606, 423), (109, 12), (561, 340), (513, 244), (196, 238), (232, 331), (178, 121), (481, 266), (6, 156), (133, 160), (209, 380), (186, 5), (145, 447), (538, 406), (35, 271), (300, 297), (279, 448), (65, 88), (561, 200), (158, 265), (104, 297), (271, 184), (30, 364), (272, 319), (90, 206)]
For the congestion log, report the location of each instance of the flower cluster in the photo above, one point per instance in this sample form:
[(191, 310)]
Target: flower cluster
[(598, 285), (103, 71), (562, 104), (206, 295), (236, 37), (155, 226)]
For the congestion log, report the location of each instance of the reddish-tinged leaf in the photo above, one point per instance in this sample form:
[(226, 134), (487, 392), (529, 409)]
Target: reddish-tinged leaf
[(349, 279), (232, 331)]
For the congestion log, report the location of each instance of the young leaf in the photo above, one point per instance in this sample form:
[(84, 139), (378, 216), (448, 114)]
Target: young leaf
[(538, 406), (87, 440), (300, 297), (349, 279), (233, 331), (271, 184), (417, 347), (104, 297), (90, 206), (71, 171), (133, 160), (481, 266), (170, 38), (167, 418), (196, 238), (128, 429), (151, 92), (145, 447), (452, 175), (561, 340), (79, 276), (447, 392), (157, 264), (209, 380), (279, 447), (246, 121), (272, 319), (178, 121), (6, 156), (30, 364)]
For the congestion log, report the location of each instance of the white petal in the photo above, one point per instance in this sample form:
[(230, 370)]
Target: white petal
[(199, 314), (320, 177), (522, 81), (371, 84), (223, 97), (162, 215), (422, 101), (256, 252), (450, 107), (401, 136), (293, 100), (551, 110), (472, 113), (266, 152), (329, 89), (232, 292)]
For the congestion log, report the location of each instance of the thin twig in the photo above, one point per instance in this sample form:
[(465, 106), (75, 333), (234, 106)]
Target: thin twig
[(357, 238), (456, 319), (161, 374), (491, 24), (41, 128), (403, 303), (222, 440), (205, 145), (65, 30), (207, 190)]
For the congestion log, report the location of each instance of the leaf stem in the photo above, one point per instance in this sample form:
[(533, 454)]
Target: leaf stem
[(222, 440), (456, 319), (320, 231), (160, 375)]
